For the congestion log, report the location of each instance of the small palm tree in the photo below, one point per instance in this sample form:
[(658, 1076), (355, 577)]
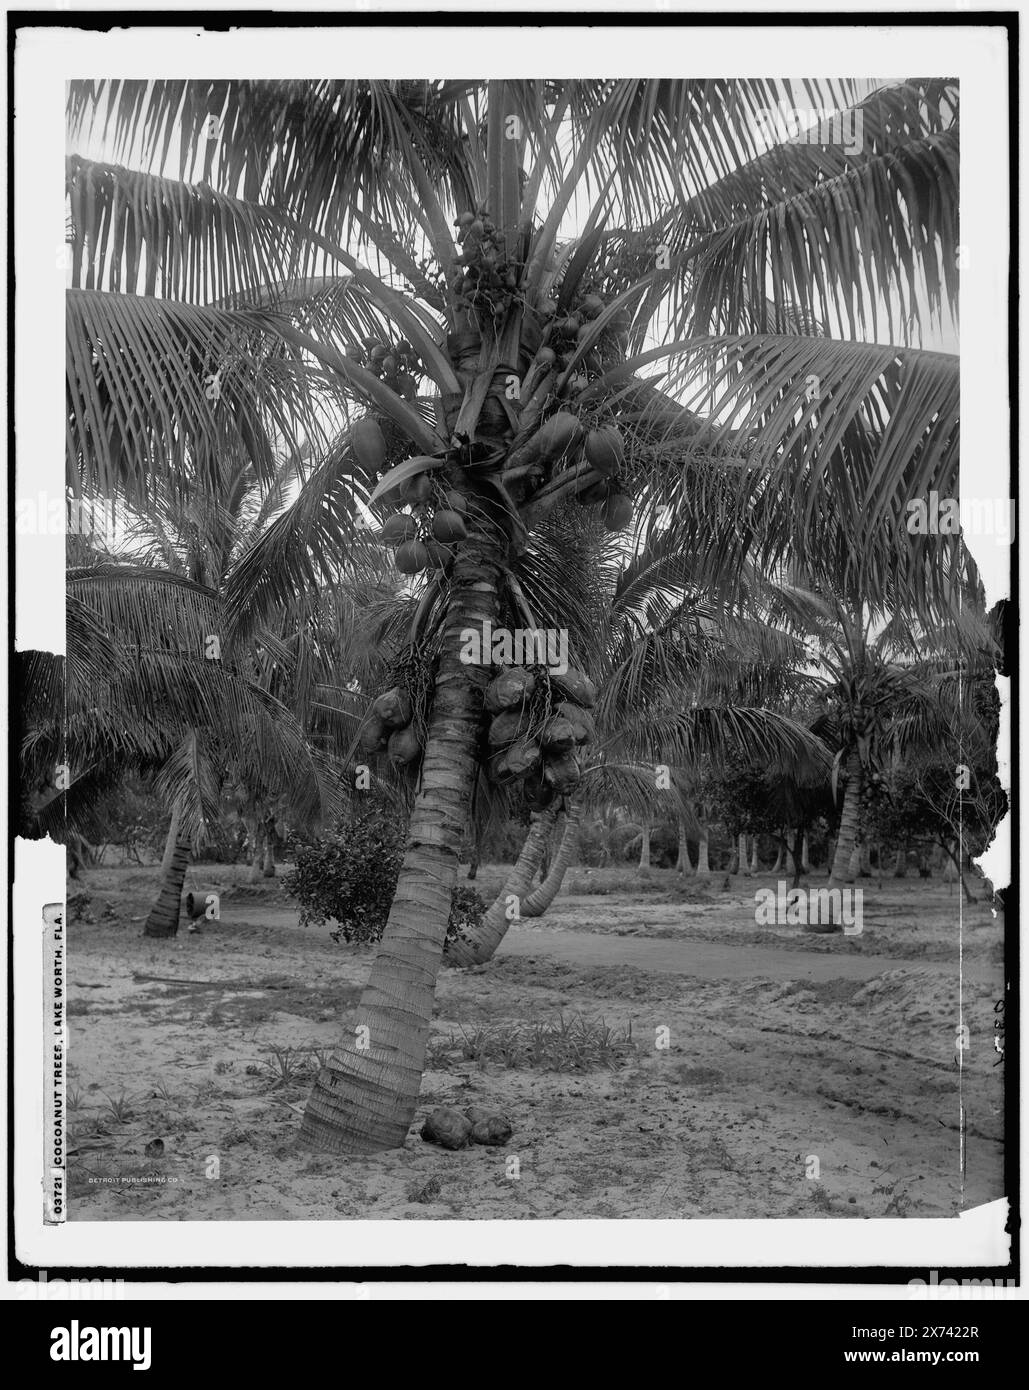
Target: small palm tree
[(888, 683)]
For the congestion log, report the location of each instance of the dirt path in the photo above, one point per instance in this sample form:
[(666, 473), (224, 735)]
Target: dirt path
[(707, 960)]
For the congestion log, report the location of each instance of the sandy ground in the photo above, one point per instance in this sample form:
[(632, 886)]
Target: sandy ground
[(746, 1072)]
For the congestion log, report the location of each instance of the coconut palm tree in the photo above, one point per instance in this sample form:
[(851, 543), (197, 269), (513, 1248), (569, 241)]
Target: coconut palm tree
[(607, 230), (138, 691), (890, 682)]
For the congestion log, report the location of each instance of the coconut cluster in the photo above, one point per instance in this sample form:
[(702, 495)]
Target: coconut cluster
[(426, 536), (485, 276), (390, 727), (397, 364), (562, 438), (538, 724)]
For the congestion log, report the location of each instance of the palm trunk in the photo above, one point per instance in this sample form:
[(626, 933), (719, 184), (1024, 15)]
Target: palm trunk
[(742, 867), (257, 862), (703, 864), (269, 856), (544, 867), (900, 864), (846, 839), (480, 946), (755, 865), (777, 866), (644, 865), (540, 898), (805, 862), (250, 823), (365, 1097), (683, 865), (163, 920), (796, 854)]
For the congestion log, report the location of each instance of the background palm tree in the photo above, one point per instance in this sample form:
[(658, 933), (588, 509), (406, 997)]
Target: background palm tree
[(608, 230)]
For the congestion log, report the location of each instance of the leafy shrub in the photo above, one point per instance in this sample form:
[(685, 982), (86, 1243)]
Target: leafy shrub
[(351, 876)]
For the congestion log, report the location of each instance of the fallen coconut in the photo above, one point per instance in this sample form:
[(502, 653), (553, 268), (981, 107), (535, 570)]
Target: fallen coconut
[(495, 1129), (448, 1127)]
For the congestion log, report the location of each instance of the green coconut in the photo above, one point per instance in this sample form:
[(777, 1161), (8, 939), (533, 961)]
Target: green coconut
[(509, 689), (368, 442), (596, 492), (617, 511), (558, 435), (499, 768), (575, 686), (399, 527), (524, 757), (580, 719), (538, 791), (605, 451), (393, 707), (417, 489), (506, 727), (558, 735), (412, 557), (562, 773), (438, 555), (448, 527), (374, 735), (403, 746)]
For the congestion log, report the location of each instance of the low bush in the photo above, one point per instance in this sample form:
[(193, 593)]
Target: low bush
[(351, 876)]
